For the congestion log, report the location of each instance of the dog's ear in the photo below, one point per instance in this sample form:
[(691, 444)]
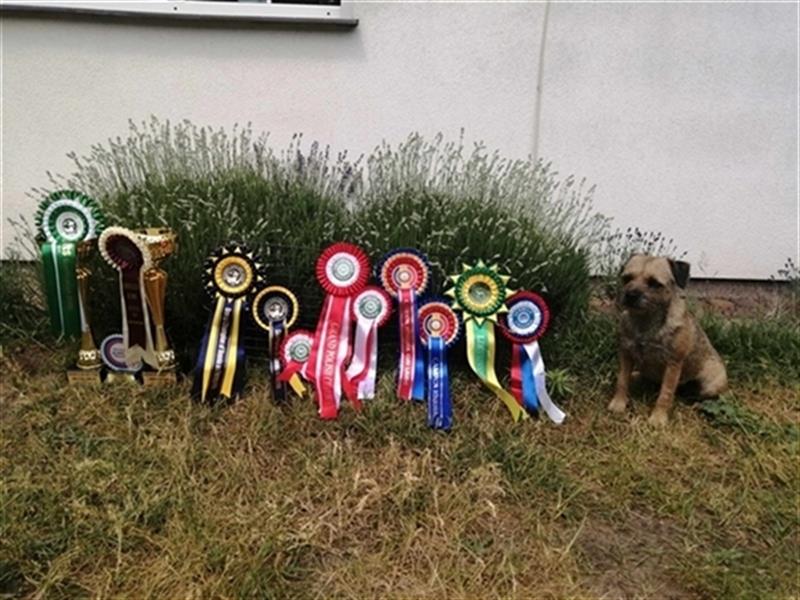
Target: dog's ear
[(680, 271)]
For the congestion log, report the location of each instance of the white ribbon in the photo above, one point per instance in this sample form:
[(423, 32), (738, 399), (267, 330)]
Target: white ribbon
[(366, 389), (344, 348), (135, 354), (556, 415), (366, 338)]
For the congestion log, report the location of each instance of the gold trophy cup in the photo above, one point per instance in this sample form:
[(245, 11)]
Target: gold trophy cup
[(161, 243), (89, 361)]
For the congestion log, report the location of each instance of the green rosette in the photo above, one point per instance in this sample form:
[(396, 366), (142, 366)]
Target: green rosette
[(64, 219), (480, 293)]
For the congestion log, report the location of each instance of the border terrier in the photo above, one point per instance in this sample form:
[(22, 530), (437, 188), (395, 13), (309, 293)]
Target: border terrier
[(659, 338)]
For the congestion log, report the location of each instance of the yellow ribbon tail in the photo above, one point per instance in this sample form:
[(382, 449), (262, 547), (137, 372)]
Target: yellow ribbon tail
[(232, 353), (211, 346), (297, 385)]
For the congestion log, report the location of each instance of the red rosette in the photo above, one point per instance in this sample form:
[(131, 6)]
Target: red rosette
[(404, 269), (299, 338), (527, 319), (373, 304), (343, 269), (437, 318)]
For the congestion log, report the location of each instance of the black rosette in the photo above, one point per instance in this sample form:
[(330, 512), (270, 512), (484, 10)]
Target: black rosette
[(233, 271)]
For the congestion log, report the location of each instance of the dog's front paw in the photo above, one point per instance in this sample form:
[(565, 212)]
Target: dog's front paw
[(658, 418), (618, 404)]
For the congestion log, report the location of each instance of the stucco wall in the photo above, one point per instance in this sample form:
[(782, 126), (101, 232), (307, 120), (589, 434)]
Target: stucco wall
[(685, 116)]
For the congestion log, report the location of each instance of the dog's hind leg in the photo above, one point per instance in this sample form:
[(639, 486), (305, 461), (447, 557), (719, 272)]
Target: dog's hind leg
[(713, 379)]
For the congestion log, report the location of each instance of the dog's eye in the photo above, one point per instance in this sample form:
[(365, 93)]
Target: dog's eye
[(654, 283), (626, 278)]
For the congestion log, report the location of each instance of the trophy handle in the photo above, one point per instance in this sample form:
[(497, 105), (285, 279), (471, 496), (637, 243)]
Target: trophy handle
[(155, 285)]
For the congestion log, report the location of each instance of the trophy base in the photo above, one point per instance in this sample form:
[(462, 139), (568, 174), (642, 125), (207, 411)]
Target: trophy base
[(159, 378), (84, 377), (119, 377)]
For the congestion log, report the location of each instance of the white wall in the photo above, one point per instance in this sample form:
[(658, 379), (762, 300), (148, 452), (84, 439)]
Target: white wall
[(683, 115)]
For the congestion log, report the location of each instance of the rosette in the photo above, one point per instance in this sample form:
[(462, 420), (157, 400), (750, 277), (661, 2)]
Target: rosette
[(129, 254), (405, 274), (480, 292), (372, 308), (113, 354), (232, 273), (275, 309), (342, 270), (64, 219), (439, 329), (295, 352), (524, 323)]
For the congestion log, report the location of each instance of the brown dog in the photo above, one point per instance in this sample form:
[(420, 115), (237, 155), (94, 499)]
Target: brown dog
[(659, 338)]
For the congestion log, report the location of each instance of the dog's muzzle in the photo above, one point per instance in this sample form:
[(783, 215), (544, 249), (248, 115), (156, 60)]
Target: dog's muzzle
[(633, 298)]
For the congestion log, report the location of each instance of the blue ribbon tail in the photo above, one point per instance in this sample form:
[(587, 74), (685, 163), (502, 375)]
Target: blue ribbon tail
[(440, 411), (241, 363), (530, 398), (275, 337), (446, 405), (418, 391)]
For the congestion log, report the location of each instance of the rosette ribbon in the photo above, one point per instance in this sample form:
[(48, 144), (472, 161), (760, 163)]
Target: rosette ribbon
[(129, 254), (525, 322), (275, 310), (405, 274), (64, 219), (295, 352), (439, 330), (232, 273), (480, 292), (372, 308), (342, 271)]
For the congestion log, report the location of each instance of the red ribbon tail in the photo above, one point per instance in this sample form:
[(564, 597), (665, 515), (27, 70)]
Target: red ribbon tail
[(405, 376), (516, 374), (332, 331), (310, 369), (350, 387), (290, 369)]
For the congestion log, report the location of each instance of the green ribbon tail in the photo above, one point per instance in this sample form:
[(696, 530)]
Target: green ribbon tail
[(61, 288), (480, 353), (478, 350)]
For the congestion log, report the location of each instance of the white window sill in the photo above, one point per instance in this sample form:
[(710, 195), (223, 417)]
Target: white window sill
[(340, 15)]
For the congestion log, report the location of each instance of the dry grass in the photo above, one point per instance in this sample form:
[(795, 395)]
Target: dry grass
[(139, 494)]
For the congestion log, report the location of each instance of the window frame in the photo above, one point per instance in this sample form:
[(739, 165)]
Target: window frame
[(340, 15)]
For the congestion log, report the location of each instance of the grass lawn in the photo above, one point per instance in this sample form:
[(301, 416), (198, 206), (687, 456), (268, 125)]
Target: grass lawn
[(139, 493)]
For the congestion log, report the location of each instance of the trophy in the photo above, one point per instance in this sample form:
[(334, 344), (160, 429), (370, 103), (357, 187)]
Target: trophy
[(161, 243), (89, 361), (137, 256)]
